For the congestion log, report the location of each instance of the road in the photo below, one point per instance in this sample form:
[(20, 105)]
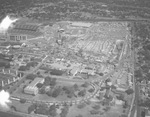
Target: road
[(135, 108), (23, 78), (102, 79)]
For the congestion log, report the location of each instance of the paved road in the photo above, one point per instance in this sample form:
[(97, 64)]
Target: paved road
[(136, 110), (23, 78), (8, 114)]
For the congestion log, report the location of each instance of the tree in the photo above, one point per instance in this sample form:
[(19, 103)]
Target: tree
[(56, 92), (47, 80), (125, 104), (64, 112), (23, 101), (13, 108), (108, 80), (96, 107), (38, 73), (94, 112), (107, 108), (52, 110), (129, 91), (42, 109), (85, 85), (49, 93), (23, 68), (50, 81), (142, 114), (39, 85), (120, 97), (31, 76), (113, 86), (82, 93), (53, 82), (42, 90), (31, 108), (88, 102), (76, 87), (91, 90), (101, 74), (80, 106), (31, 64)]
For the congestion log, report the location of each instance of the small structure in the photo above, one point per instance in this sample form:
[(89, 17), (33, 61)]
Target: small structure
[(74, 71), (81, 24), (119, 102), (32, 88)]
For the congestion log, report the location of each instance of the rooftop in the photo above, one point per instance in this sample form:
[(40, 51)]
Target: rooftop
[(35, 81), (25, 29)]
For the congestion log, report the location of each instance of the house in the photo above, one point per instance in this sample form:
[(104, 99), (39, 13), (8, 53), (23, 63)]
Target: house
[(119, 102), (74, 71), (32, 88)]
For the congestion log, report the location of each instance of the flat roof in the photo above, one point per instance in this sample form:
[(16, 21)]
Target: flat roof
[(81, 24), (35, 81)]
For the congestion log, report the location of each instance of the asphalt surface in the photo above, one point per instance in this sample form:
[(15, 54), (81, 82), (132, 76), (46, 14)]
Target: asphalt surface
[(8, 114), (136, 108)]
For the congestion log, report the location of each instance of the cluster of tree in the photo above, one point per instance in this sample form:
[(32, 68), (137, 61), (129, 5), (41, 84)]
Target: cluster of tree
[(52, 110), (31, 76), (129, 91), (32, 108), (81, 105), (23, 68), (64, 111), (125, 104), (91, 90), (23, 101), (96, 107), (39, 85), (5, 64), (145, 103), (69, 91), (42, 90), (56, 72), (43, 109), (56, 92), (32, 64), (27, 67), (50, 81), (94, 112), (141, 42), (85, 85), (82, 93), (121, 97)]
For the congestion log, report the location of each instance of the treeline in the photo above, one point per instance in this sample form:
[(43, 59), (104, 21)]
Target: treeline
[(141, 47)]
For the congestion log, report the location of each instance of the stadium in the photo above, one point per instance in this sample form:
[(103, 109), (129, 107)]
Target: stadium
[(21, 31)]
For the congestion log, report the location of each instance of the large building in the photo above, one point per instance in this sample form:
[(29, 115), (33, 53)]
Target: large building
[(21, 31), (32, 88)]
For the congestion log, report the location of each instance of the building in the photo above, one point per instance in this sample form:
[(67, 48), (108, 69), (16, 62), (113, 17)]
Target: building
[(32, 88), (81, 24), (21, 32)]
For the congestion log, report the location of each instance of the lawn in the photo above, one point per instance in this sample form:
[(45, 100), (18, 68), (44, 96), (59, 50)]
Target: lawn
[(20, 107)]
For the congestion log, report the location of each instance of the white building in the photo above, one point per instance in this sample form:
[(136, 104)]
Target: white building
[(32, 88)]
